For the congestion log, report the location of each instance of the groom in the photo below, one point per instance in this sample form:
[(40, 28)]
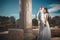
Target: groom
[(41, 18)]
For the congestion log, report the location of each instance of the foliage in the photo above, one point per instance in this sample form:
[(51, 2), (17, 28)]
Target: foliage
[(5, 21), (34, 22), (55, 21)]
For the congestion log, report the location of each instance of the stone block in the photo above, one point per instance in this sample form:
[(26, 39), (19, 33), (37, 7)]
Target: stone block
[(15, 34)]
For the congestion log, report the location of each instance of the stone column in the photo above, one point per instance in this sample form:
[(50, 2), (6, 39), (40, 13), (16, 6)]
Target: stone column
[(26, 13), (26, 18)]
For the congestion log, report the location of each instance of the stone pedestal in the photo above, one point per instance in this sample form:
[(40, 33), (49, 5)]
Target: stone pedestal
[(15, 34)]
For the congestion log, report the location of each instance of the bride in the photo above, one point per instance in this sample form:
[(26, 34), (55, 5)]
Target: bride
[(44, 29)]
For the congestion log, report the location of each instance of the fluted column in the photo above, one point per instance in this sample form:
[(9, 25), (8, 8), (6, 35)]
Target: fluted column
[(26, 18), (26, 14)]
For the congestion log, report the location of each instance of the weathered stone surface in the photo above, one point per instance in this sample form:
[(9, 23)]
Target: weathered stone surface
[(35, 32), (26, 14), (28, 36), (55, 32), (15, 34)]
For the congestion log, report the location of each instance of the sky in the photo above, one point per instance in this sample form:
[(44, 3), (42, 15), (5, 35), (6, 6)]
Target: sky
[(12, 7)]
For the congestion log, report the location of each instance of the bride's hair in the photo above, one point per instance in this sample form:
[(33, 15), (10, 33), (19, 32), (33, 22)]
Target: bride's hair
[(45, 10)]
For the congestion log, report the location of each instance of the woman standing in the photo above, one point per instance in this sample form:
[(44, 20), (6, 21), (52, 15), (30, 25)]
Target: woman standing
[(44, 30)]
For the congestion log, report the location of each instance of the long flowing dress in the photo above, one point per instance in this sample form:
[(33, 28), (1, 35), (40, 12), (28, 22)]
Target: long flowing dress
[(44, 31)]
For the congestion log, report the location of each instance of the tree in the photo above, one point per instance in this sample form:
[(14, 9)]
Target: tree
[(57, 20), (12, 19), (3, 20), (34, 22), (17, 22), (3, 23)]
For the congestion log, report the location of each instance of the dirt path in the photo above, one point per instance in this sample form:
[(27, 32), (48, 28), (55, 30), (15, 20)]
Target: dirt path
[(55, 38)]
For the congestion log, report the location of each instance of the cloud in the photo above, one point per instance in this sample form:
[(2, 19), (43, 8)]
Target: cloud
[(54, 14), (54, 7), (53, 11)]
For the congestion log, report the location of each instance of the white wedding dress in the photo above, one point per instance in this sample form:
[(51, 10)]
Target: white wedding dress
[(44, 32)]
